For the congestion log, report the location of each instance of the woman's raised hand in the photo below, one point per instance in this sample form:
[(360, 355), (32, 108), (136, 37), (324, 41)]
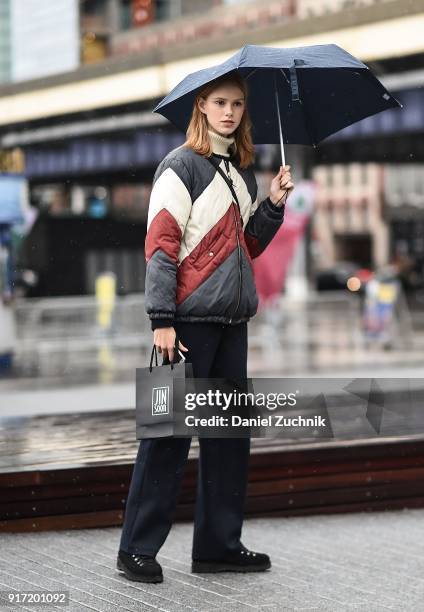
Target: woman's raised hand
[(164, 340), (281, 186)]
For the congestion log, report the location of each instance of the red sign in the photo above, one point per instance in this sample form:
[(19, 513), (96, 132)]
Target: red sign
[(271, 267), (142, 12)]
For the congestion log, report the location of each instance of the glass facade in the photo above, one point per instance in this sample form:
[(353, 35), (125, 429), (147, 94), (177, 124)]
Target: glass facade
[(5, 58)]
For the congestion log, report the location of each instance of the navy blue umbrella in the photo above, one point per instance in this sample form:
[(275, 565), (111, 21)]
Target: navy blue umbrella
[(305, 93)]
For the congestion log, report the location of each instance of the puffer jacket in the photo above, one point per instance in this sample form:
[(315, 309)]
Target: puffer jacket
[(199, 245)]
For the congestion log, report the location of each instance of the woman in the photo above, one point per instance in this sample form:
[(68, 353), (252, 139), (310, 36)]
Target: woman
[(200, 285)]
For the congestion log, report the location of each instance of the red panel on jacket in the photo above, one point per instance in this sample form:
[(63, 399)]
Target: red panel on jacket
[(165, 234), (221, 241)]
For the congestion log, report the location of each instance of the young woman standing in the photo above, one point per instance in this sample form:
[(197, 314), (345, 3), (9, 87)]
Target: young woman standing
[(200, 241)]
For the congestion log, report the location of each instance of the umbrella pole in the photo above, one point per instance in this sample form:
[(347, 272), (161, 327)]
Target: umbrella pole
[(283, 157)]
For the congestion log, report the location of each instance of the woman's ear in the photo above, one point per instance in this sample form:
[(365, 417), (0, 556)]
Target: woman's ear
[(201, 105)]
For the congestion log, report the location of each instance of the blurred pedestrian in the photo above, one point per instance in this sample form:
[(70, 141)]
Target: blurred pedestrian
[(203, 231), (8, 337)]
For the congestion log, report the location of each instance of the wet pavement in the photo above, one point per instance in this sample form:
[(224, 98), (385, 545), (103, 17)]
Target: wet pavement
[(365, 562), (359, 561)]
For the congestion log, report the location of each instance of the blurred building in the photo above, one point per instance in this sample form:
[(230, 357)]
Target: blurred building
[(38, 39), (5, 46), (91, 143)]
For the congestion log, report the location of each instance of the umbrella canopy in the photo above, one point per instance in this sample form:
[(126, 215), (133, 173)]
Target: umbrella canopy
[(320, 89)]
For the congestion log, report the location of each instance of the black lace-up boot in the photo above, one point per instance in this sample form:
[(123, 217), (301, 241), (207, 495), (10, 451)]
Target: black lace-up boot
[(140, 568), (242, 560)]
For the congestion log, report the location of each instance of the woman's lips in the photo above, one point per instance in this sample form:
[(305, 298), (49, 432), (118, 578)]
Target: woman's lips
[(228, 122)]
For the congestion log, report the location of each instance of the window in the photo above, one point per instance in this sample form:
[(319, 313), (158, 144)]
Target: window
[(125, 21)]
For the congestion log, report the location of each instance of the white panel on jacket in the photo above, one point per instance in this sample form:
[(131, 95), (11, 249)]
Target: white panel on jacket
[(207, 210), (170, 192), (243, 194)]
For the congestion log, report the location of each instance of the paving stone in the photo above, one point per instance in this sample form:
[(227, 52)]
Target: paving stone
[(363, 562), (190, 588)]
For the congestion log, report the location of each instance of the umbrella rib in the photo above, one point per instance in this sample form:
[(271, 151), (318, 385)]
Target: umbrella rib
[(284, 75), (250, 73)]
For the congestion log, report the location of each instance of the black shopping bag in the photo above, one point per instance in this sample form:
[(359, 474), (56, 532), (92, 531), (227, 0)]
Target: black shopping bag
[(156, 398)]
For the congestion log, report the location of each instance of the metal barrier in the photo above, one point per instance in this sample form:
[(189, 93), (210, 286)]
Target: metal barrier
[(55, 334), (58, 336)]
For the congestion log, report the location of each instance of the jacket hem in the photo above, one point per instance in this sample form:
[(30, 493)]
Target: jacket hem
[(210, 319), (160, 315)]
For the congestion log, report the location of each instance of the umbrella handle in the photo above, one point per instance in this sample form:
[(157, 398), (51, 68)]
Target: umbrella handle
[(283, 157)]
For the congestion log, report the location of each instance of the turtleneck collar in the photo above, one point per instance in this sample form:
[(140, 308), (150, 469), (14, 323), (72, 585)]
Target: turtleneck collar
[(220, 144)]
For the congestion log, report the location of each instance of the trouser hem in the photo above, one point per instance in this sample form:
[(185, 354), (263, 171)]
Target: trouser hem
[(138, 551)]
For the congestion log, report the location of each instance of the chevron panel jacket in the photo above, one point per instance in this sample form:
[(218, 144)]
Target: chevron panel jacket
[(200, 244)]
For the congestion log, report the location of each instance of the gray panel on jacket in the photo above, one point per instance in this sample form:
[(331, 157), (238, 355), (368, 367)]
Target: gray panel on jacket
[(265, 223), (249, 298), (161, 283), (178, 166), (217, 295), (249, 178), (197, 172)]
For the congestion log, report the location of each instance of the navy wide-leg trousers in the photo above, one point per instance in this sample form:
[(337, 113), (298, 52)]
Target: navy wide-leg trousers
[(218, 351)]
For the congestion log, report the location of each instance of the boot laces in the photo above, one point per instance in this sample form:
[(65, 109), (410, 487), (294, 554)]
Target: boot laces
[(140, 559)]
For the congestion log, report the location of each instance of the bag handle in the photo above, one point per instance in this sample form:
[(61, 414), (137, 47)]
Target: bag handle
[(176, 350), (154, 352)]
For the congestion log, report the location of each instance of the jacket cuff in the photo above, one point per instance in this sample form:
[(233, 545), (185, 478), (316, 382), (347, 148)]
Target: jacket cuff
[(275, 211), (160, 323)]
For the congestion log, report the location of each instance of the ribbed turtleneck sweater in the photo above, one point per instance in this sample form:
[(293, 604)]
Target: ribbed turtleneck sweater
[(220, 144)]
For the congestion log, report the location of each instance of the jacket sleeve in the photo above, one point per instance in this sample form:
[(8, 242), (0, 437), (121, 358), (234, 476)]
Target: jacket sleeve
[(264, 222), (169, 210)]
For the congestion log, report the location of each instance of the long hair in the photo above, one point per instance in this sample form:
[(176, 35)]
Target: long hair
[(197, 131)]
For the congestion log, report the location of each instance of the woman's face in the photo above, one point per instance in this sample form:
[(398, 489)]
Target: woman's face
[(225, 104)]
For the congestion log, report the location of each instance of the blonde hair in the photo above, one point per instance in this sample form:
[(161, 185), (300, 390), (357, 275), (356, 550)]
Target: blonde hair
[(197, 131)]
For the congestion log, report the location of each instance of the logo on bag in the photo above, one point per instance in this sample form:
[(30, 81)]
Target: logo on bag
[(160, 400)]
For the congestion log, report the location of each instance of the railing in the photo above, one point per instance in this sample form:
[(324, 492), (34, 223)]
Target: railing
[(62, 335), (59, 335), (76, 317)]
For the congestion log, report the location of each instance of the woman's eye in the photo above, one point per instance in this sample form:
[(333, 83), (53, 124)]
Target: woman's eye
[(221, 102)]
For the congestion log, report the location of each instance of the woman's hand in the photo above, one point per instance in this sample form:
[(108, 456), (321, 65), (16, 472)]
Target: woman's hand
[(281, 186), (164, 340)]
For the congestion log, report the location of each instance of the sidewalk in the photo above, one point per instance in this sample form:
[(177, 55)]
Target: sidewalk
[(365, 562)]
